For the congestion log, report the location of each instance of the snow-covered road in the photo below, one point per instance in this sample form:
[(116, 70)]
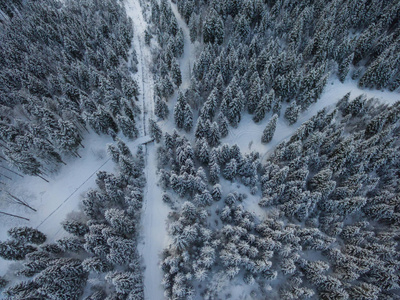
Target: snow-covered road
[(153, 237)]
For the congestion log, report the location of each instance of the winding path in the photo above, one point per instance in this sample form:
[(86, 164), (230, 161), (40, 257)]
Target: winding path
[(187, 59)]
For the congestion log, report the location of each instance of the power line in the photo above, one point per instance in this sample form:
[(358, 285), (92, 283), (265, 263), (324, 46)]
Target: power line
[(73, 193), (78, 189)]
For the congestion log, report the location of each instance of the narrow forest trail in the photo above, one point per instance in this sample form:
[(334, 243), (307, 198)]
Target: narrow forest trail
[(186, 62), (187, 59), (153, 237)]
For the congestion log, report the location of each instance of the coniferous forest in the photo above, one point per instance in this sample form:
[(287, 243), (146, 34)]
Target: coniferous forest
[(251, 149)]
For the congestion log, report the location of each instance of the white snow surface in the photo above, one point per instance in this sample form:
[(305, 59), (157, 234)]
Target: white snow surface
[(186, 62), (55, 199), (153, 237), (248, 134), (189, 54), (62, 195)]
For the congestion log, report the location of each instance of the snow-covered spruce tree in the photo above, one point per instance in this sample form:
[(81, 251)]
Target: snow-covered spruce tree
[(223, 125), (202, 151), (230, 169), (155, 131), (127, 283), (127, 126), (15, 250), (58, 121), (201, 128), (27, 235), (264, 106), (214, 167), (120, 221), (193, 27), (209, 107), (161, 108), (188, 118), (344, 67), (213, 28), (74, 227), (183, 114), (70, 244), (255, 92), (176, 73), (214, 136), (292, 113), (269, 130), (49, 283), (96, 264)]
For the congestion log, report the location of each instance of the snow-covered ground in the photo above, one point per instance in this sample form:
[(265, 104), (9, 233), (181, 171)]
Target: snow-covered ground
[(61, 196), (189, 54), (186, 62), (248, 134), (55, 199), (154, 237)]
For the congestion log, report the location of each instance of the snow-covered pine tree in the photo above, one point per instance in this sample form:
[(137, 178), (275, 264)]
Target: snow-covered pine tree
[(344, 67), (127, 283), (176, 72), (203, 152), (255, 93), (264, 106), (188, 118), (161, 108), (76, 228), (213, 28), (193, 27), (155, 130), (15, 250), (230, 169), (200, 130), (183, 114), (269, 130), (223, 125), (292, 112), (27, 235), (179, 115), (127, 126), (96, 264), (70, 244)]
